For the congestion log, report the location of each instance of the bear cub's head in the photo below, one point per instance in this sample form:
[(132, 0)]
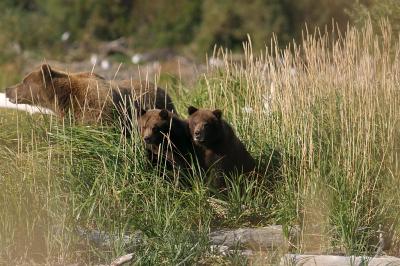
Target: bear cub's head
[(205, 125), (35, 88), (154, 125)]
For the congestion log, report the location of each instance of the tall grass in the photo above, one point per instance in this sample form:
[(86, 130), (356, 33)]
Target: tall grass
[(320, 117)]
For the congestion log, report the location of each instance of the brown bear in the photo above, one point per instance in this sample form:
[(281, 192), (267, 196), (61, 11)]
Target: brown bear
[(223, 151), (167, 137), (86, 96)]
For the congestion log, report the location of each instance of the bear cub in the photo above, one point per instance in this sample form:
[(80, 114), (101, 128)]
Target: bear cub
[(168, 137), (222, 148)]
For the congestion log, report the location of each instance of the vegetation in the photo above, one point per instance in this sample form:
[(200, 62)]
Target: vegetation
[(195, 24), (328, 107), (375, 11)]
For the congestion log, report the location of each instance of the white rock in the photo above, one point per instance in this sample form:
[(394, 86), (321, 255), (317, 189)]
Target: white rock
[(105, 64), (65, 36), (136, 58), (93, 59)]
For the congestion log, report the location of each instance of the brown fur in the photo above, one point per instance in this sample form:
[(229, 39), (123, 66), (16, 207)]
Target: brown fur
[(87, 96), (168, 137), (223, 150)]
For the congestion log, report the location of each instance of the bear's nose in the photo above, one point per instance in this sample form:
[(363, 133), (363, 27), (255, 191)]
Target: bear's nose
[(147, 139), (198, 136)]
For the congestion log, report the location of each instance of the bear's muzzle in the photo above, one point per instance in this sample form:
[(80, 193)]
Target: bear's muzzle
[(10, 94)]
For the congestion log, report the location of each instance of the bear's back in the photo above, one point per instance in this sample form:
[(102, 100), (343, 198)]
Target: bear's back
[(230, 154), (147, 94)]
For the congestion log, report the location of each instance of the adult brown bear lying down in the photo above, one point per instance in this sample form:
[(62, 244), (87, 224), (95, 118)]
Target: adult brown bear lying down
[(87, 97)]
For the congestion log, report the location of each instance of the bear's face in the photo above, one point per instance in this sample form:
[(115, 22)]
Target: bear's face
[(154, 125), (35, 88), (26, 92), (205, 125)]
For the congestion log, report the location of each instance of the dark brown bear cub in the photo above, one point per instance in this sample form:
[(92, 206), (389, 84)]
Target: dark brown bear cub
[(222, 149), (168, 137)]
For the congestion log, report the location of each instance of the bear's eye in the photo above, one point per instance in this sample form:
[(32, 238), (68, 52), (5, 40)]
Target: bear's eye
[(156, 129)]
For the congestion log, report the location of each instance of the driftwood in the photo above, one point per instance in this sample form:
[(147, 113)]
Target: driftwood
[(246, 242), (118, 46), (326, 260), (105, 239), (257, 239), (5, 103), (122, 260)]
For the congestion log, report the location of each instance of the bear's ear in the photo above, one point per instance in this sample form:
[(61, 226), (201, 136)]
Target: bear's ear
[(164, 114), (192, 110), (217, 113), (49, 74), (139, 110)]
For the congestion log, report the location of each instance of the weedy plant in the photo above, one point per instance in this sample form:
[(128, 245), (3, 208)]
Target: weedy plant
[(320, 117)]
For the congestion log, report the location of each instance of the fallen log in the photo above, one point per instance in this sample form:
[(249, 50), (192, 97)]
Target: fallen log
[(122, 260), (327, 260), (5, 103), (257, 239)]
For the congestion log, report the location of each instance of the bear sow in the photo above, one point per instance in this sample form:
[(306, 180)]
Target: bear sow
[(87, 97)]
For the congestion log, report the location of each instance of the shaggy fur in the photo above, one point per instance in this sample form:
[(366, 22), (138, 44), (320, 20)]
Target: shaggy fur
[(87, 97), (223, 150), (168, 137)]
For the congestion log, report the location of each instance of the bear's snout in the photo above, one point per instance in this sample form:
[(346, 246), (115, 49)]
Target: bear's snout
[(10, 94), (198, 135)]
